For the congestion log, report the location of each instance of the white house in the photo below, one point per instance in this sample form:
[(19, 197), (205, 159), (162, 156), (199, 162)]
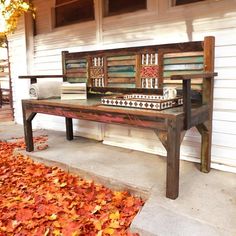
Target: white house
[(58, 27)]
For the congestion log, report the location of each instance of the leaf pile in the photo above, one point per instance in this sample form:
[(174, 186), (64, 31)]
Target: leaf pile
[(44, 201)]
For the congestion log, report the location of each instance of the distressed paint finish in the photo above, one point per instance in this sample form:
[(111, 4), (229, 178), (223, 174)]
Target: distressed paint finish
[(169, 124), (94, 114), (207, 97)]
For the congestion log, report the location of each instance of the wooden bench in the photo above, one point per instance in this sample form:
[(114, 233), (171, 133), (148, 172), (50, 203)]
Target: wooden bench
[(188, 66)]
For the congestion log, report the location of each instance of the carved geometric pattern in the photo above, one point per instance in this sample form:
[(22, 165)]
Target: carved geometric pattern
[(149, 59), (98, 82), (96, 72), (152, 102), (150, 71), (149, 83), (97, 61)]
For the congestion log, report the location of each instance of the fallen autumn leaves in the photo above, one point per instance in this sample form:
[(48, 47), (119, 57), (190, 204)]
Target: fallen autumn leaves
[(40, 200)]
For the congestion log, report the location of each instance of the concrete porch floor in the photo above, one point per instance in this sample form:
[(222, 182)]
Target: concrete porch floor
[(206, 204)]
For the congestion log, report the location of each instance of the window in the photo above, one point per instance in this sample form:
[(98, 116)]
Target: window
[(73, 11), (115, 7), (182, 2)]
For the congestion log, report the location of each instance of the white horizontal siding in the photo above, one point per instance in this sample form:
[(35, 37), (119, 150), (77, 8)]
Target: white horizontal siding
[(160, 24), (17, 53)]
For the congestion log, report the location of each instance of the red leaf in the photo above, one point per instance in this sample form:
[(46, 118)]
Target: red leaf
[(24, 215)]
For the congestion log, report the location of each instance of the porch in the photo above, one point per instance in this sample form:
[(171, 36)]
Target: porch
[(206, 205)]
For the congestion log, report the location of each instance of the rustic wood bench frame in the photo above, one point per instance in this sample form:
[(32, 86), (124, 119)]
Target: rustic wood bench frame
[(170, 125)]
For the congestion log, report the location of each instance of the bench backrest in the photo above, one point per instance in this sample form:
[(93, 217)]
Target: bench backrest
[(147, 67)]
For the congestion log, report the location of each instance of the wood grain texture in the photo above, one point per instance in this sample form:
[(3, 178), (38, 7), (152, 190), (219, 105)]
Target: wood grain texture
[(173, 152), (187, 103), (169, 124)]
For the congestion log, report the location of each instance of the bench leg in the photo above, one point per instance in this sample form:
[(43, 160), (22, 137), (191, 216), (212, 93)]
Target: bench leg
[(206, 141), (27, 120), (69, 129), (173, 152)]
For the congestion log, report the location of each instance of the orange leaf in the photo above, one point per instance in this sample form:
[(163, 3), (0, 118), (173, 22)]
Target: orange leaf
[(97, 225)]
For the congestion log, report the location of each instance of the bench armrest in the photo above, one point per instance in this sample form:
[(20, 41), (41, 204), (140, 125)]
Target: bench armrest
[(33, 78), (194, 76), (186, 78)]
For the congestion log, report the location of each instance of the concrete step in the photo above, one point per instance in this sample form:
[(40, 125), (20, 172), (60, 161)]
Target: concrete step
[(206, 204)]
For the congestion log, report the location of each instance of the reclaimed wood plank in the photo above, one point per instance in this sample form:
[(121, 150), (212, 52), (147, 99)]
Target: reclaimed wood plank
[(175, 47), (183, 67), (76, 75), (181, 72), (124, 63), (207, 98), (121, 80), (122, 85), (76, 70), (197, 81), (121, 74), (105, 71), (173, 152), (121, 68), (138, 70), (77, 80), (120, 58), (205, 74), (183, 60), (183, 54), (101, 116), (187, 103)]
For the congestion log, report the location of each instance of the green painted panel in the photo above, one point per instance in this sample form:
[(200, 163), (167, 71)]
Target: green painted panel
[(121, 69), (76, 65), (122, 85), (121, 74), (183, 60), (77, 80), (181, 72)]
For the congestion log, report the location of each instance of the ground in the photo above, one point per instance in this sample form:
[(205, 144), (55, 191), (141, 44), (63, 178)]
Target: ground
[(206, 204)]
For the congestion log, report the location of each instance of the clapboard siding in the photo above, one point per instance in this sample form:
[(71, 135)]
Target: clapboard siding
[(225, 83), (17, 53), (159, 24)]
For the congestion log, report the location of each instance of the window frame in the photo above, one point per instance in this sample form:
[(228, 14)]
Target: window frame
[(54, 16), (107, 14), (173, 3)]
